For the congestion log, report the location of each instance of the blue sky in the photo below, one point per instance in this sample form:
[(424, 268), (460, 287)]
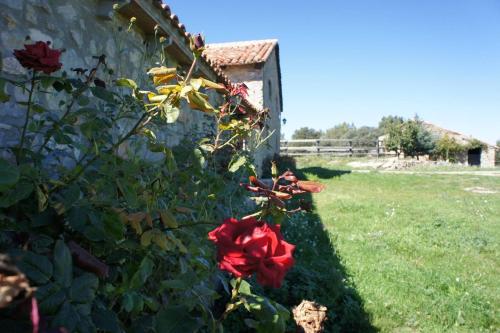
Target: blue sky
[(358, 60)]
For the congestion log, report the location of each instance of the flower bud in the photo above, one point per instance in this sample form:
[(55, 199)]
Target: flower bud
[(274, 169), (197, 44), (199, 41)]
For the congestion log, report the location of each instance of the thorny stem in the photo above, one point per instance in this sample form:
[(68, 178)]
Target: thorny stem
[(191, 70), (94, 158), (25, 126), (193, 225), (233, 305), (76, 95)]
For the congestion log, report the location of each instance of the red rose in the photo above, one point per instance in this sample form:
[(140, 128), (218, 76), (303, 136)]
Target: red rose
[(250, 246), (39, 57)]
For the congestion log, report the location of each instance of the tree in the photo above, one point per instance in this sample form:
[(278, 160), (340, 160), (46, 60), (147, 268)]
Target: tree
[(340, 131), (387, 123), (415, 139), (497, 153), (306, 133), (448, 149), (393, 140)]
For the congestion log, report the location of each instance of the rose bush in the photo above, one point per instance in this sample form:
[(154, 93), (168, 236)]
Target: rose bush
[(111, 241), (251, 246), (39, 57)]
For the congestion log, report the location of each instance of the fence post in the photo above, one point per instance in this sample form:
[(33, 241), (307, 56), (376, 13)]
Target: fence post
[(317, 147), (350, 148), (378, 148)]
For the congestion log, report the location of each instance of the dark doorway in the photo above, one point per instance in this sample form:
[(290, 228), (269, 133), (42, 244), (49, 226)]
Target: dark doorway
[(474, 156)]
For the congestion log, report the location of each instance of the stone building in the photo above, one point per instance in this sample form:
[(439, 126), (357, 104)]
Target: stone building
[(90, 28), (480, 156), (257, 64)]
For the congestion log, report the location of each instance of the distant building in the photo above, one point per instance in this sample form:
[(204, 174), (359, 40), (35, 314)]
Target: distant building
[(257, 64), (481, 156), (484, 157)]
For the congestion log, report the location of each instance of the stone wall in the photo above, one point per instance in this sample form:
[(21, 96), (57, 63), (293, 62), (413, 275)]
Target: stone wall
[(263, 92), (272, 100), (488, 157), (76, 27)]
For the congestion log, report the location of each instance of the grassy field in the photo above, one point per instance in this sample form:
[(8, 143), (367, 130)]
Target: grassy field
[(413, 252)]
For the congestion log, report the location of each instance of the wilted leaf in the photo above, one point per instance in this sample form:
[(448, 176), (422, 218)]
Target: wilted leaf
[(168, 219), (199, 101), (162, 74), (310, 186)]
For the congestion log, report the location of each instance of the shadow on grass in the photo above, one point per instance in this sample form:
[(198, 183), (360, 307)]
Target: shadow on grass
[(318, 274), (323, 173)]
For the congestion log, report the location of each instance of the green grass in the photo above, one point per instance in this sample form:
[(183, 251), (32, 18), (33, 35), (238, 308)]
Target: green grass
[(416, 253)]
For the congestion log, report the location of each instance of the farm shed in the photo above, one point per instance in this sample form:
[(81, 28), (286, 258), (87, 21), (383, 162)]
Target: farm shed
[(483, 156), (89, 28), (478, 156)]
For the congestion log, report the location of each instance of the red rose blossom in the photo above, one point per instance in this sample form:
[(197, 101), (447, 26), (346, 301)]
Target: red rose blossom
[(250, 246), (39, 57)]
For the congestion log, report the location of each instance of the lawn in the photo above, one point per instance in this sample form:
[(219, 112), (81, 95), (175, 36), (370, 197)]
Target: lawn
[(414, 252)]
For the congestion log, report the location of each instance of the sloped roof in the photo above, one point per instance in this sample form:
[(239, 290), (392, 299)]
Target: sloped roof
[(240, 53), (440, 131)]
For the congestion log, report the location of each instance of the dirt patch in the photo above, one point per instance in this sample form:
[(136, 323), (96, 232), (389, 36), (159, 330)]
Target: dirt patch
[(481, 190)]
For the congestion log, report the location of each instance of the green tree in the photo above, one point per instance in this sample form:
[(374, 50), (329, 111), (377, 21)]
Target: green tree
[(415, 139), (341, 131), (497, 153), (393, 140), (387, 122), (448, 149), (306, 133)]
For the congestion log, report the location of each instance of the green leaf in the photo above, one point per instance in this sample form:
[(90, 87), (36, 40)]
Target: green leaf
[(67, 317), (3, 96), (103, 94), (37, 267), (37, 108), (63, 264), (245, 287), (174, 284), (83, 100), (173, 319), (9, 174), (127, 83), (106, 320), (20, 191), (47, 81), (170, 161), (50, 297), (83, 288), (237, 162), (143, 273), (113, 226)]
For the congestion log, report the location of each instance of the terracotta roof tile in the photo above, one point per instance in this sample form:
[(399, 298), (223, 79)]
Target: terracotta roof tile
[(240, 53)]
